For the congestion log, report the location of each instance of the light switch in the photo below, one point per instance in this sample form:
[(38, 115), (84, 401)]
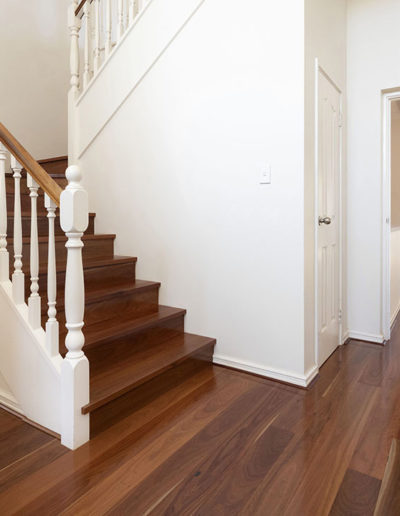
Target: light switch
[(265, 177)]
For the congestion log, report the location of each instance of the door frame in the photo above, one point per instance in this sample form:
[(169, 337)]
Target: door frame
[(387, 98), (319, 69)]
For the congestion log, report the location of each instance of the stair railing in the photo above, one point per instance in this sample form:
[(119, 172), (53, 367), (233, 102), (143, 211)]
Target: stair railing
[(102, 24), (74, 216)]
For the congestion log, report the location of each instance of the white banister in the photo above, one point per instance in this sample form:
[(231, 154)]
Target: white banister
[(18, 277), (74, 26), (74, 218), (87, 44), (96, 50), (131, 11), (4, 258), (52, 330), (34, 302), (120, 19), (108, 28)]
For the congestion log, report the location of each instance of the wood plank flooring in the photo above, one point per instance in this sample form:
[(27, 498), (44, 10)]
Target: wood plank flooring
[(208, 441)]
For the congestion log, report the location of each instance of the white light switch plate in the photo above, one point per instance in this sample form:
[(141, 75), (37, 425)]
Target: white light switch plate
[(265, 175)]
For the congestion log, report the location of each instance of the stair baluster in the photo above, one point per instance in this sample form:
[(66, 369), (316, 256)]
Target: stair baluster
[(4, 263), (18, 277), (131, 14), (120, 23), (52, 330), (108, 42), (74, 25), (96, 51), (75, 367), (86, 57), (34, 302)]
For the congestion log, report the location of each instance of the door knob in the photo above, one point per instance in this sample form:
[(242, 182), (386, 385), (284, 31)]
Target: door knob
[(324, 220)]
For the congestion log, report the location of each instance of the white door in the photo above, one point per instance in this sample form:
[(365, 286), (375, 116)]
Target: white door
[(329, 156)]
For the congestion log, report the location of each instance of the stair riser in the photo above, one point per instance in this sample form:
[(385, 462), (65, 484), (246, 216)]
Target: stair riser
[(119, 274), (99, 249), (25, 190), (139, 304), (43, 226), (25, 203), (137, 339)]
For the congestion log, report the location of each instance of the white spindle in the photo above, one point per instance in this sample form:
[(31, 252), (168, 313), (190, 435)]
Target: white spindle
[(126, 14), (75, 368), (34, 298), (120, 17), (52, 333), (18, 277), (74, 25), (86, 64), (96, 50), (131, 11), (4, 263), (108, 42)]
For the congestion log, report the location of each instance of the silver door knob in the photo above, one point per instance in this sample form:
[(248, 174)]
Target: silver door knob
[(324, 220)]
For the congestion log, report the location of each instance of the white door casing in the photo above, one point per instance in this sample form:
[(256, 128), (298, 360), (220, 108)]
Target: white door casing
[(328, 233)]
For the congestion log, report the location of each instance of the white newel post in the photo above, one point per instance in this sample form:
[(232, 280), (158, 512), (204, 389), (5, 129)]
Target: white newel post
[(74, 218), (4, 263), (18, 277), (52, 332), (34, 303), (74, 25)]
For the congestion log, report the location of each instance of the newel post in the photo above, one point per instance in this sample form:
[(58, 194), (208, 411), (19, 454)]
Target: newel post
[(74, 217)]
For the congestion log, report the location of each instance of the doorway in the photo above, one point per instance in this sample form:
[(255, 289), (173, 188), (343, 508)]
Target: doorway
[(391, 211), (328, 217)]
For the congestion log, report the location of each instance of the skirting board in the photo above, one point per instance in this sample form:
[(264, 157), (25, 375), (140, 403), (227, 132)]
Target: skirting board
[(8, 400), (274, 374), (394, 316), (367, 337)]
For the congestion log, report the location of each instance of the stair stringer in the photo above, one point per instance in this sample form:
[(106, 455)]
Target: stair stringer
[(33, 377)]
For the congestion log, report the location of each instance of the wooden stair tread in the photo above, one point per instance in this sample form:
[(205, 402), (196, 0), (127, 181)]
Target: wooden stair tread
[(126, 323), (63, 238), (95, 263), (27, 214), (136, 365), (107, 292)]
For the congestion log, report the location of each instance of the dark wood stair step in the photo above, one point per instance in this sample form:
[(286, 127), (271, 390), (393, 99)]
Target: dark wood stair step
[(138, 298), (135, 365), (95, 247), (43, 224), (127, 324)]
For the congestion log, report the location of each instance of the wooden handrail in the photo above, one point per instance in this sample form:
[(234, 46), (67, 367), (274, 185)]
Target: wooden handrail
[(38, 173), (82, 3)]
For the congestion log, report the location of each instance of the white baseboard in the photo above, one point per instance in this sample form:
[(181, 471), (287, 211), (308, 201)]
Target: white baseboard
[(368, 337), (345, 336), (8, 400), (272, 373)]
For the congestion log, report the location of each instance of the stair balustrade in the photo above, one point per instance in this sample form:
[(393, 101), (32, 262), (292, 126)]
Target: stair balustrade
[(74, 216), (101, 24)]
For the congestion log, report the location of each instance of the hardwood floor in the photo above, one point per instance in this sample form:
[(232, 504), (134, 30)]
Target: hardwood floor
[(205, 440)]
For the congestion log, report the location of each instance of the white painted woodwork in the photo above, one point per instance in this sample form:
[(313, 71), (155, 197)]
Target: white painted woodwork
[(88, 41), (18, 277), (74, 25), (131, 11), (34, 302), (120, 19), (74, 218), (4, 260), (52, 329), (96, 49), (108, 28), (329, 156)]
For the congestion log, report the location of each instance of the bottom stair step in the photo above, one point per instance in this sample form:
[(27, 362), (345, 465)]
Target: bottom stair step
[(127, 366)]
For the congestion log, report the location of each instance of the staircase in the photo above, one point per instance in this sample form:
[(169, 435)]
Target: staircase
[(129, 337)]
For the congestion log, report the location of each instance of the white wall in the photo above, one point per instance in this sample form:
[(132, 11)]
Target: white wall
[(176, 171), (34, 60), (373, 66), (325, 39)]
